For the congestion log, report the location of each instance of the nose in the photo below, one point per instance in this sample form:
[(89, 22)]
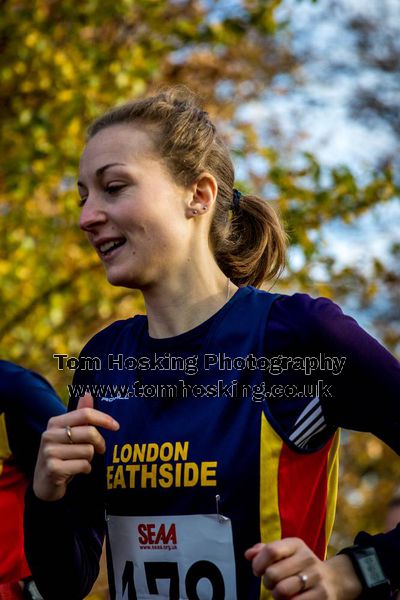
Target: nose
[(92, 214)]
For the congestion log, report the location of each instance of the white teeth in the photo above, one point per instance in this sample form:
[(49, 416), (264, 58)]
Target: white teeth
[(107, 246)]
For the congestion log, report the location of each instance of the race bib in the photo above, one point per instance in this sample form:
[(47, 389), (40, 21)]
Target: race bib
[(184, 557)]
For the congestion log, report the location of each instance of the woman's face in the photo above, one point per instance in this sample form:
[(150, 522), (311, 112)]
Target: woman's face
[(134, 214)]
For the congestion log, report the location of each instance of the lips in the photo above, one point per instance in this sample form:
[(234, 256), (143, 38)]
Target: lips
[(107, 247)]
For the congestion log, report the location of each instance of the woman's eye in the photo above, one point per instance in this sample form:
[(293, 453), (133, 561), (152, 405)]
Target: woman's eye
[(113, 189), (110, 189)]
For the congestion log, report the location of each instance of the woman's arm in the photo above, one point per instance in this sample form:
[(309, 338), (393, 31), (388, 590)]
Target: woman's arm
[(365, 397), (64, 519)]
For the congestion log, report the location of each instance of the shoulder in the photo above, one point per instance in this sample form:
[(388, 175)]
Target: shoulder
[(16, 381), (297, 307), (28, 401), (320, 324), (310, 319)]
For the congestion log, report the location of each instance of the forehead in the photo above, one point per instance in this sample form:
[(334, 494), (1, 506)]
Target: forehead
[(123, 143)]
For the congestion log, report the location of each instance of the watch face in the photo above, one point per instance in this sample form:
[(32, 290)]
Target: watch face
[(369, 570), (372, 571)]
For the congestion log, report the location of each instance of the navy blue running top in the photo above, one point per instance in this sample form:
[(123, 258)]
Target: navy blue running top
[(236, 419)]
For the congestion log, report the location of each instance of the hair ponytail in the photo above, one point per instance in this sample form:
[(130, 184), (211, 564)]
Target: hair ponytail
[(250, 247)]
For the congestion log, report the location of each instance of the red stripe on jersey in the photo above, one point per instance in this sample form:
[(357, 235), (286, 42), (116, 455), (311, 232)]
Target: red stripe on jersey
[(13, 483), (303, 492)]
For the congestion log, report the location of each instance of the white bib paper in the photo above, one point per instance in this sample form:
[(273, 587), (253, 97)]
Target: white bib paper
[(184, 557)]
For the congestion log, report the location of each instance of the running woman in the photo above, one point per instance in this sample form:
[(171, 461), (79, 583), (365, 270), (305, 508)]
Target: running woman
[(211, 482)]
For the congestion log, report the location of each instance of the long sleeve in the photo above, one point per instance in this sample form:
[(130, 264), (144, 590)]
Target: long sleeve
[(63, 540)]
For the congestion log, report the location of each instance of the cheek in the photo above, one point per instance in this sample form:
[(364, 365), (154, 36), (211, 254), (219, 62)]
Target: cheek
[(164, 228), (162, 247), (156, 228)]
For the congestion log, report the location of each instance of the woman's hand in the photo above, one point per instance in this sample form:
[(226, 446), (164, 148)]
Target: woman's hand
[(67, 448), (291, 570)]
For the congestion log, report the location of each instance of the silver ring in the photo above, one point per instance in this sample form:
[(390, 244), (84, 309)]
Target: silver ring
[(303, 579), (68, 431)]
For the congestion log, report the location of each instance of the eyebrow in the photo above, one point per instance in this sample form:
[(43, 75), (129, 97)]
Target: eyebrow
[(101, 170)]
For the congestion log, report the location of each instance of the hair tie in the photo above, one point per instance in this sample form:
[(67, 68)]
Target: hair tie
[(236, 199)]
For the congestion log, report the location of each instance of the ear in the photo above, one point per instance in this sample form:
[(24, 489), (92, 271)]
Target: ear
[(204, 193)]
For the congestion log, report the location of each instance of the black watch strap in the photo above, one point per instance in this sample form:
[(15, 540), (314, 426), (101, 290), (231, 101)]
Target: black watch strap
[(369, 570)]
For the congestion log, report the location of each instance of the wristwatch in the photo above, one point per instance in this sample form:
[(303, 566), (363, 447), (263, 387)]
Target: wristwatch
[(369, 571)]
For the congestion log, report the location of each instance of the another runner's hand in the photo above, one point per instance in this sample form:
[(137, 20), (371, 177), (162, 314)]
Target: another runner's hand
[(61, 456), (280, 563)]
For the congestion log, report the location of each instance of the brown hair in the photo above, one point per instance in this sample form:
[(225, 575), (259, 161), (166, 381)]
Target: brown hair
[(249, 241)]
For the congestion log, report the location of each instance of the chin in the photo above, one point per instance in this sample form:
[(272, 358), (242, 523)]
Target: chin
[(123, 280)]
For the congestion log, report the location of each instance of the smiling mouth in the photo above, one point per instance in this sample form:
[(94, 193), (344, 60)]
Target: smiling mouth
[(107, 248)]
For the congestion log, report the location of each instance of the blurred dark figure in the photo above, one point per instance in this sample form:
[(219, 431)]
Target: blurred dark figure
[(27, 401)]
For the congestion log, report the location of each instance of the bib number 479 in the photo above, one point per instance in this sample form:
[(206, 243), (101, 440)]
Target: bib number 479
[(202, 569)]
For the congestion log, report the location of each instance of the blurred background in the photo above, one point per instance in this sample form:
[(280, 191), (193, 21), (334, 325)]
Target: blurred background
[(305, 93)]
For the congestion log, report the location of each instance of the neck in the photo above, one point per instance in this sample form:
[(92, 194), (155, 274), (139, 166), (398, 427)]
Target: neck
[(175, 307)]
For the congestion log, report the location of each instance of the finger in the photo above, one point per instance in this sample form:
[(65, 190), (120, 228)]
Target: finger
[(59, 470), (273, 552), (81, 434), (69, 452), (289, 587), (86, 401), (84, 416), (297, 563), (253, 551)]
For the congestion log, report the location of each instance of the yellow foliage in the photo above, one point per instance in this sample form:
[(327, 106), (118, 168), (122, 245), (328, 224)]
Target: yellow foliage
[(32, 39)]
